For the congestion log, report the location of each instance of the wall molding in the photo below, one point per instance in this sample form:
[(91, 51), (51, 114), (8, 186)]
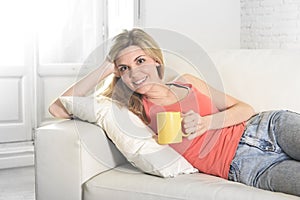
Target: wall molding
[(16, 154)]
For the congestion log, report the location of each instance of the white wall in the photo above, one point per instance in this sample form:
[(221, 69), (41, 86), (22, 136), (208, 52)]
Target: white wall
[(270, 24), (213, 24)]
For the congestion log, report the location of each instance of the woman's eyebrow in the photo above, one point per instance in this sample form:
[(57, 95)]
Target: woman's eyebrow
[(124, 65), (138, 57)]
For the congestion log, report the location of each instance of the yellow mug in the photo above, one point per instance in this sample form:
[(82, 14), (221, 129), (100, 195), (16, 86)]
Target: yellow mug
[(169, 127)]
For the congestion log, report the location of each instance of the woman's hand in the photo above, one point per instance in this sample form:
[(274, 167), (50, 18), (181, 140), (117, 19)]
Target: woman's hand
[(194, 124)]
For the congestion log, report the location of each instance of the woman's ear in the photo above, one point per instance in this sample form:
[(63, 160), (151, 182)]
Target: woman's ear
[(157, 64), (158, 67)]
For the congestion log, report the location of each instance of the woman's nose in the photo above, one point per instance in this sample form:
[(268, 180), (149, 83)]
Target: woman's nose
[(133, 71)]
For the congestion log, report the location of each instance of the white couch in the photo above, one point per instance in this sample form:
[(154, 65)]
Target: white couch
[(75, 160)]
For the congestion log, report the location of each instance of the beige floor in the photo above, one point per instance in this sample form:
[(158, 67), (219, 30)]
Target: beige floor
[(17, 184)]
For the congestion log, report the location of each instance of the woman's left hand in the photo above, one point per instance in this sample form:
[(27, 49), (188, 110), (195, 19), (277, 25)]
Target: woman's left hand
[(194, 124)]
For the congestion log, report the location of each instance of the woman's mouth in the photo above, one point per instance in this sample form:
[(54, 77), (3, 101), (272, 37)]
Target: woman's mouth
[(140, 81)]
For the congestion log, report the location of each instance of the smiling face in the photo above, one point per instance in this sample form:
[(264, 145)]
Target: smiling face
[(137, 70)]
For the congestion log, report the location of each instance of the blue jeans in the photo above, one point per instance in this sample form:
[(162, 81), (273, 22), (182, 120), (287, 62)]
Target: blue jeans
[(268, 155)]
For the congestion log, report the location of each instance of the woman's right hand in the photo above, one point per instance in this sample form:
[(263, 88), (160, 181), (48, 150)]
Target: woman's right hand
[(194, 124)]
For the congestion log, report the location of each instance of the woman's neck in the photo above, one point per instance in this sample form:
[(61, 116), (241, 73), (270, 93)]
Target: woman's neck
[(158, 91), (163, 94)]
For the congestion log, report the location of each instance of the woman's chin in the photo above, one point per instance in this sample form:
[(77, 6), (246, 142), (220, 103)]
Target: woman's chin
[(142, 89)]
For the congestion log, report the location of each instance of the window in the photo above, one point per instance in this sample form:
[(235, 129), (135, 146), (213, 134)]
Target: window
[(120, 16), (14, 30)]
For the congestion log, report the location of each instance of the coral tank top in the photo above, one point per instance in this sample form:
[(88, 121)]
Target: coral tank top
[(210, 153)]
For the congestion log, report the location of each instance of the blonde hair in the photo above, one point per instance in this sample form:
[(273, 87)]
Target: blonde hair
[(117, 89)]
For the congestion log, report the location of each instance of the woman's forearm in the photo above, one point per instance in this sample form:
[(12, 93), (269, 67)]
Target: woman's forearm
[(82, 88), (88, 83), (197, 125), (236, 114)]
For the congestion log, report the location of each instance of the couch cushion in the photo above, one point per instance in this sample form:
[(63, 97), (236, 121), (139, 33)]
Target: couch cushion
[(266, 79), (126, 182)]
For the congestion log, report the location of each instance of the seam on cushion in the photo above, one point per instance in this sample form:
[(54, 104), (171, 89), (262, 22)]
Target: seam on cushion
[(82, 145), (78, 142), (148, 193), (105, 171)]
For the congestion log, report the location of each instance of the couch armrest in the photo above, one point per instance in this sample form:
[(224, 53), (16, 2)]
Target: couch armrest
[(67, 154)]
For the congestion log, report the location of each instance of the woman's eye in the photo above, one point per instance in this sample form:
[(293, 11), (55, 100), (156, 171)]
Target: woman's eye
[(141, 60), (123, 68)]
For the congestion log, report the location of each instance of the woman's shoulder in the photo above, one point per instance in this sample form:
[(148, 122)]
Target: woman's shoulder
[(196, 82), (189, 79)]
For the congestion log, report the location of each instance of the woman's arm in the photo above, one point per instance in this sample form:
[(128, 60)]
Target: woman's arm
[(232, 111), (81, 88)]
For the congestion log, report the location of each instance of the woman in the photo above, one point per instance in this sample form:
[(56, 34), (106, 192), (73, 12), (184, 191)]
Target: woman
[(226, 138)]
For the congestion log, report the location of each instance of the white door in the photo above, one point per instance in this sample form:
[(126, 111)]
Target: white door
[(16, 77), (45, 46)]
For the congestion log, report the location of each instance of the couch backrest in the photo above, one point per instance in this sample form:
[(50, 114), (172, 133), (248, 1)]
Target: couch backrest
[(266, 79)]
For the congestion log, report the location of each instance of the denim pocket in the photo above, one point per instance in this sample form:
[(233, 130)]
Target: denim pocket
[(234, 172), (260, 133)]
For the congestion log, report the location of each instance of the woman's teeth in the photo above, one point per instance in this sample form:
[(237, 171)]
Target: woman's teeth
[(139, 81)]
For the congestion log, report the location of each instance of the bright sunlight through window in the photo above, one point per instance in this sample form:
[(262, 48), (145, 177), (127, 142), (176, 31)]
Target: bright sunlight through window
[(66, 31)]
